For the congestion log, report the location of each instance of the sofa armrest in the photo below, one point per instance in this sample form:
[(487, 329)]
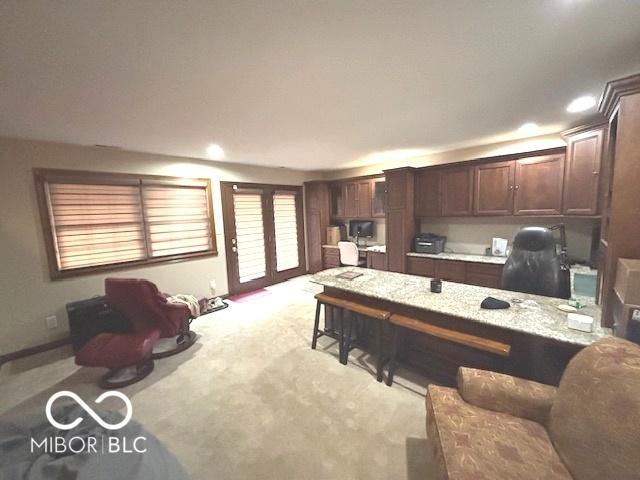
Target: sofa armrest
[(506, 394)]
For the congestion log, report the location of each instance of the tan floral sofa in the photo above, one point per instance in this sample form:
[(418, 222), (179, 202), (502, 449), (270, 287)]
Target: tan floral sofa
[(495, 426)]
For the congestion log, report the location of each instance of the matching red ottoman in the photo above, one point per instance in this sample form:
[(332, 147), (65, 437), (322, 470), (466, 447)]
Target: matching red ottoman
[(126, 355)]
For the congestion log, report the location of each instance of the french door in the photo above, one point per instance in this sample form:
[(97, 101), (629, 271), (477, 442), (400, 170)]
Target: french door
[(264, 234)]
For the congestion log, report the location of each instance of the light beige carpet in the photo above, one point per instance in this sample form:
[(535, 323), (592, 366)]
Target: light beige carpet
[(251, 400)]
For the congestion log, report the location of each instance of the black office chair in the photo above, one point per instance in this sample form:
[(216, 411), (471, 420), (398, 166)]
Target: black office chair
[(535, 266)]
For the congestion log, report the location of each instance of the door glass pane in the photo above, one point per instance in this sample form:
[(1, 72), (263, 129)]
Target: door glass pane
[(286, 229), (249, 236)]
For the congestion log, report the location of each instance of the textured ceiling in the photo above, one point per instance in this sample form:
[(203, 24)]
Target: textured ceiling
[(308, 85)]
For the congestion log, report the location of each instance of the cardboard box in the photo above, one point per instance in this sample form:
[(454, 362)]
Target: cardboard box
[(333, 235), (627, 284)]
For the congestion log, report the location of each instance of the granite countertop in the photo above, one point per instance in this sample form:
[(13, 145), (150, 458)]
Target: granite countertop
[(538, 316), (461, 257)]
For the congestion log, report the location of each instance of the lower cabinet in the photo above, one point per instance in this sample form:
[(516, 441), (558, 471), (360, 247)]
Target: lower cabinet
[(330, 257), (451, 270), (472, 273), (484, 275), (425, 267), (377, 260)]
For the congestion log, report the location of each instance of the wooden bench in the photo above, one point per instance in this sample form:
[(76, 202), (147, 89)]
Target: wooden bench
[(469, 340), (344, 344)]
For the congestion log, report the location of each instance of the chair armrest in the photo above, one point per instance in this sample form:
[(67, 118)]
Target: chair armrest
[(506, 394)]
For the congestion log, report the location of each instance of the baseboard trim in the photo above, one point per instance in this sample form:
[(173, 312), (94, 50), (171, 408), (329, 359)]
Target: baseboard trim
[(27, 352)]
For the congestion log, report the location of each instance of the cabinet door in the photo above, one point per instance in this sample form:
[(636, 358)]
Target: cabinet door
[(427, 194), (457, 191), (376, 260), (424, 267), (350, 200), (538, 188), (494, 183), (582, 173), (397, 248), (363, 199), (451, 270), (336, 192), (379, 193)]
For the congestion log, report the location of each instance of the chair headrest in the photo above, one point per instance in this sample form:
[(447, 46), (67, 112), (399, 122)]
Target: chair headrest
[(534, 239)]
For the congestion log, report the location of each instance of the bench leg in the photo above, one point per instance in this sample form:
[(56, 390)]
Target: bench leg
[(316, 324), (394, 352), (379, 359), (338, 312)]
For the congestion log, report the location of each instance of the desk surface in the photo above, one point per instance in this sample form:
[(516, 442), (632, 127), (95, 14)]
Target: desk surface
[(540, 317)]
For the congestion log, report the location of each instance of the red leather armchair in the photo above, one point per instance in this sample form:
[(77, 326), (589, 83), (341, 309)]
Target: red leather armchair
[(147, 308)]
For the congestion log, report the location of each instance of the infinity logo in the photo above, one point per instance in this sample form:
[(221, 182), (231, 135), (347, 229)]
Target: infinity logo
[(89, 410)]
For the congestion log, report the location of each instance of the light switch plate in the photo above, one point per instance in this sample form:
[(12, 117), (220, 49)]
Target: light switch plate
[(52, 321), (636, 314)]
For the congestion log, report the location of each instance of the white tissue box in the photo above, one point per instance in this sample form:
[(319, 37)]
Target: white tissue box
[(584, 323)]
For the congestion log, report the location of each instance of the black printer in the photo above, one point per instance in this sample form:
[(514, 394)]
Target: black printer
[(429, 243)]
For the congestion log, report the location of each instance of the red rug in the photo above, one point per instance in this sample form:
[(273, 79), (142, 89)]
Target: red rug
[(249, 296)]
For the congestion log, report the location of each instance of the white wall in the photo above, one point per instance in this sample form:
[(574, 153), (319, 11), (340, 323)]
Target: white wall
[(27, 295), (378, 231), (474, 234)]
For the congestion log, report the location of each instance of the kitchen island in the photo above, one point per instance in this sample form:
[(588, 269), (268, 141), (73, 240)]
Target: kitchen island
[(541, 342)]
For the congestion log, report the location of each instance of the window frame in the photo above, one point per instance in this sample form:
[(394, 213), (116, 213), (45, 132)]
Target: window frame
[(44, 176)]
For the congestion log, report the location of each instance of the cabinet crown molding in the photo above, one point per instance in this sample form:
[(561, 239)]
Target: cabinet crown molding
[(615, 90)]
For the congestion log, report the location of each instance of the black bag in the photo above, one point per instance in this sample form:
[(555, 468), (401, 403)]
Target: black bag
[(88, 318)]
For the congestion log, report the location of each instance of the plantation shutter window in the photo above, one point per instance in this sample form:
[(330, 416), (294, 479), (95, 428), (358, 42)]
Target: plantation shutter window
[(252, 262), (177, 218), (99, 221), (96, 224), (286, 230)]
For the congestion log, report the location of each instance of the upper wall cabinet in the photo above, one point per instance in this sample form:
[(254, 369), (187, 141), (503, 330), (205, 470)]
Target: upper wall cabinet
[(351, 200), (538, 185), (582, 170), (494, 187), (336, 199), (379, 192), (358, 199), (456, 186), (427, 194)]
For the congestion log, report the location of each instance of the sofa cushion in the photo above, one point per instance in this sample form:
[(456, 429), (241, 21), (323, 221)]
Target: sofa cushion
[(469, 442), (595, 419)]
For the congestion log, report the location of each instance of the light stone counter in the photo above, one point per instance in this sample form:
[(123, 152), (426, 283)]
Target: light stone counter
[(538, 316), (461, 257)]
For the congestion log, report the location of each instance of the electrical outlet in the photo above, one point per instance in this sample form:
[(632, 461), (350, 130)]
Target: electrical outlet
[(212, 287), (52, 321)]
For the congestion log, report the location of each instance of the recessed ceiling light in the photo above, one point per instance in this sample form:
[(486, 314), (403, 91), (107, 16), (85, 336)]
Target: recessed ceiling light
[(529, 128), (581, 104), (215, 151)]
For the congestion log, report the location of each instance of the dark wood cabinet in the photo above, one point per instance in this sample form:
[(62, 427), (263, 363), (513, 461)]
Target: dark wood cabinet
[(427, 194), (330, 257), (350, 200), (363, 199), (484, 275), (451, 270), (471, 273), (538, 185), (377, 260), (317, 208), (400, 220), (582, 171), (379, 197), (336, 192), (425, 267), (359, 198), (456, 186), (494, 186)]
